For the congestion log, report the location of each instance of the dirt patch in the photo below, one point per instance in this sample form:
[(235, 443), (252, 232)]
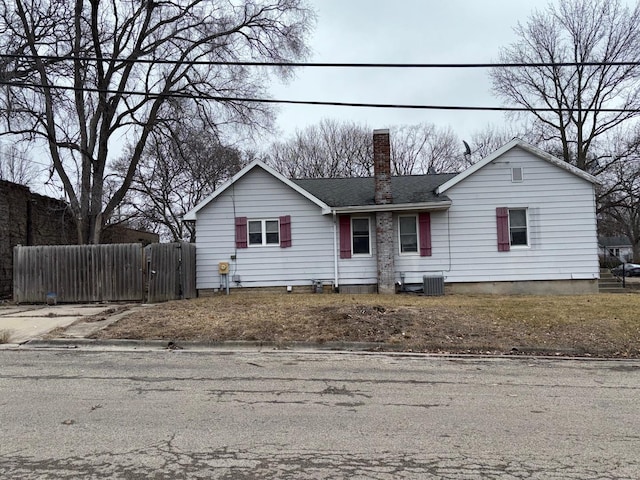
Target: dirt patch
[(598, 325)]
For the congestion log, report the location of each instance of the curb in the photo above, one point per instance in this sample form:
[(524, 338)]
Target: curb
[(226, 345), (360, 348)]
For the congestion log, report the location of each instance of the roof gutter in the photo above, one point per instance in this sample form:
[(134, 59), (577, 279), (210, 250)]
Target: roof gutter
[(390, 207)]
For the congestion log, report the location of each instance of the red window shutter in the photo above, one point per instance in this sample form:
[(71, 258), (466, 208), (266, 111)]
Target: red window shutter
[(502, 220), (241, 232), (345, 236), (285, 231), (424, 225)]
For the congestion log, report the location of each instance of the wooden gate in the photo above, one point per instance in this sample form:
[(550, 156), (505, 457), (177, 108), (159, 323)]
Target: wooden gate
[(171, 271)]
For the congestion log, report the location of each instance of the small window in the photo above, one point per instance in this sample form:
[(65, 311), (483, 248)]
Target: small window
[(517, 174), (264, 232), (518, 227), (408, 231), (360, 236)]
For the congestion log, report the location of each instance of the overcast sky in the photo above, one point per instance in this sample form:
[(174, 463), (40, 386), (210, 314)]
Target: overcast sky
[(403, 31)]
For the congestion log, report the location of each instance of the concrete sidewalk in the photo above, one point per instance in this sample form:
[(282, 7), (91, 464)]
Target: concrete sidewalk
[(28, 322)]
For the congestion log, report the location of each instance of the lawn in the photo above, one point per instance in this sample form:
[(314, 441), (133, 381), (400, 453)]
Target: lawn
[(596, 325)]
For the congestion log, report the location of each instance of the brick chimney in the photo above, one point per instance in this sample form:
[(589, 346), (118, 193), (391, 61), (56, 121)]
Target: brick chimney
[(384, 220), (382, 167)]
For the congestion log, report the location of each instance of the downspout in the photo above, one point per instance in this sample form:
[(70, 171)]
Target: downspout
[(335, 252)]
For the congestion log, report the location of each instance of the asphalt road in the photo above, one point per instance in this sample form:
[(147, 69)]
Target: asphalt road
[(287, 415)]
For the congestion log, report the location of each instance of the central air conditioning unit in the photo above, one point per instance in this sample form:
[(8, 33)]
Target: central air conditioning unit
[(433, 285)]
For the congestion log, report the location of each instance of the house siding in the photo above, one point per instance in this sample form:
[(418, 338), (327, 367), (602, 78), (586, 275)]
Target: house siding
[(361, 269), (412, 267), (561, 223), (561, 227), (258, 195)]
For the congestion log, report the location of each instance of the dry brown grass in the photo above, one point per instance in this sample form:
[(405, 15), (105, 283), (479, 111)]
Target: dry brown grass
[(594, 325)]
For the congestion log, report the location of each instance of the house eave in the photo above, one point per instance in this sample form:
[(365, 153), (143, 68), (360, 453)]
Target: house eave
[(391, 207)]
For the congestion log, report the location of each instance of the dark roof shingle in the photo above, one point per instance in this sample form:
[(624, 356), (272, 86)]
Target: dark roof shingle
[(620, 241), (359, 191)]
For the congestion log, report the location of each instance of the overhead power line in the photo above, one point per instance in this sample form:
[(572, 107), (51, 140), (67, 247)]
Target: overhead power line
[(321, 64), (219, 98)]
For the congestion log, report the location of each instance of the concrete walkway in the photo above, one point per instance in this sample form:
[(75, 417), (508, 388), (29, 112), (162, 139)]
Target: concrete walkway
[(28, 322)]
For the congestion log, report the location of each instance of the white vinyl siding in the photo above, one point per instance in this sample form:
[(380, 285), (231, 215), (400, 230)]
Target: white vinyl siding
[(412, 266), (360, 269), (561, 223), (260, 196)]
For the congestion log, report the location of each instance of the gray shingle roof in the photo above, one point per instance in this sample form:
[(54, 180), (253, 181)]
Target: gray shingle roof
[(359, 191), (620, 241)]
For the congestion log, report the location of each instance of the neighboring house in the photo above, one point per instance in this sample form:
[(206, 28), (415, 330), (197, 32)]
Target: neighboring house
[(519, 221), (618, 248)]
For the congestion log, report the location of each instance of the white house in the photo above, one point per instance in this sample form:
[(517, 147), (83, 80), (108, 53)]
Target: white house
[(518, 221), (617, 248)]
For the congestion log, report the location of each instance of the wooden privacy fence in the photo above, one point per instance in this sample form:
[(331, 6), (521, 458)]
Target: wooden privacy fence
[(103, 273)]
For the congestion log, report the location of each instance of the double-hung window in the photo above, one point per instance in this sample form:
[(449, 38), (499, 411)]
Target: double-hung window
[(264, 232), (518, 236), (513, 228), (414, 234), (361, 238), (408, 231)]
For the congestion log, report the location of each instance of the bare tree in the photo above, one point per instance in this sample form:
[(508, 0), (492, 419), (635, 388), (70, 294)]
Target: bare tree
[(96, 75), (334, 149), (179, 168), (425, 148), (575, 31), (17, 166), (487, 140), (329, 149), (619, 190), (619, 202)]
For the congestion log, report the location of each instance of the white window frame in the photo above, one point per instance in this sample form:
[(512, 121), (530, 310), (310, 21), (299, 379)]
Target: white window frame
[(526, 226), (353, 250), (417, 251), (263, 232)]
